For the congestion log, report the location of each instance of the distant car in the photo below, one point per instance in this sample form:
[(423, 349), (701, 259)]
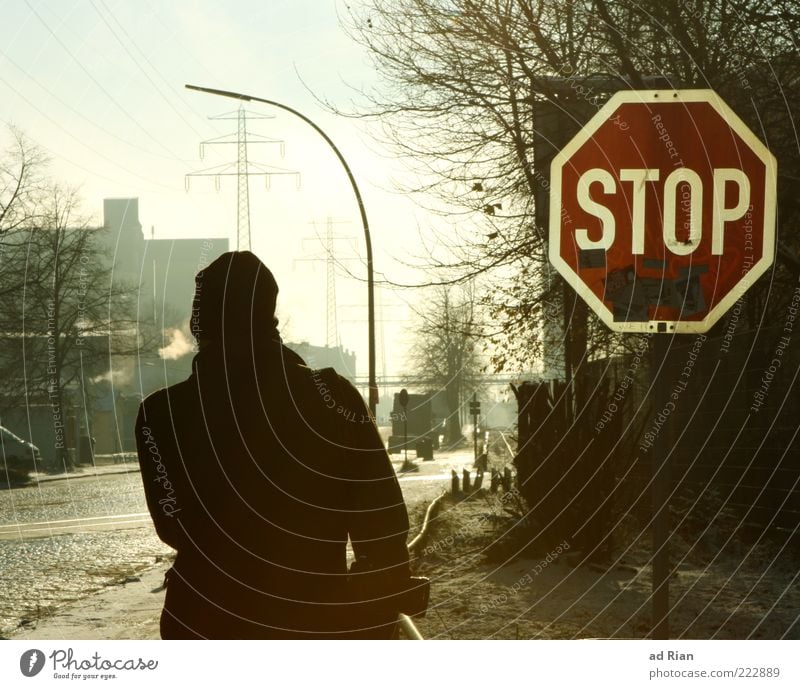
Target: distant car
[(11, 445)]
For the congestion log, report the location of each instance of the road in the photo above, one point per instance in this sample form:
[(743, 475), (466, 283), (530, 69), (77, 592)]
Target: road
[(422, 485)]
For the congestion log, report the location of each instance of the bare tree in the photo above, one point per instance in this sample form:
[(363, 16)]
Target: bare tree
[(61, 316), (461, 82), (22, 166), (445, 350), (477, 96)]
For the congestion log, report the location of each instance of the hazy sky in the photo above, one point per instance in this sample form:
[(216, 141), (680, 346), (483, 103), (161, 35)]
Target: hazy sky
[(99, 85)]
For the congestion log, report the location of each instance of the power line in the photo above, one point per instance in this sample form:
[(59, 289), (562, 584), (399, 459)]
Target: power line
[(138, 65), (111, 98), (82, 143), (29, 77)]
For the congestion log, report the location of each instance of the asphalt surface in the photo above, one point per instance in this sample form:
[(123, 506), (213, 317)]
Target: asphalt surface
[(422, 485)]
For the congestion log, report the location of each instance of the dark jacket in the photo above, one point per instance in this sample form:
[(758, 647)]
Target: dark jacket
[(257, 470)]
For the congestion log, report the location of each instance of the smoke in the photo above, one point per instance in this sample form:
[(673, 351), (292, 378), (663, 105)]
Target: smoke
[(179, 345), (121, 374)]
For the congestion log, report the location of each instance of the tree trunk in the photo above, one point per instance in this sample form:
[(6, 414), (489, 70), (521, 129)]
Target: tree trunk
[(453, 433)]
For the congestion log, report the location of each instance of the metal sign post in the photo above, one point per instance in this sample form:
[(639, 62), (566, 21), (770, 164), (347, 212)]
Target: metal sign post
[(404, 403), (662, 214), (475, 410), (659, 348)]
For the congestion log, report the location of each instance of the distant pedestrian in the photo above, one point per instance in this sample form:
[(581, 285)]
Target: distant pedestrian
[(257, 470)]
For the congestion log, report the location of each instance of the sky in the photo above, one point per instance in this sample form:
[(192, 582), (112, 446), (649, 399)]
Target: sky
[(99, 86)]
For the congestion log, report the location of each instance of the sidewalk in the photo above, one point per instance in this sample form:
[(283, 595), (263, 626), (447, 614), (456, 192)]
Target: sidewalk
[(128, 611), (87, 471)]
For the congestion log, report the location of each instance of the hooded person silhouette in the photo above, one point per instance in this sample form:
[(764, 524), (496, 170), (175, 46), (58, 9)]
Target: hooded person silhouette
[(257, 470)]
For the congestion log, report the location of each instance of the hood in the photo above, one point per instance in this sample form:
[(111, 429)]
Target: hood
[(234, 300)]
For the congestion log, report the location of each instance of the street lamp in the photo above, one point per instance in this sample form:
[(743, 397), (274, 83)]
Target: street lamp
[(373, 384)]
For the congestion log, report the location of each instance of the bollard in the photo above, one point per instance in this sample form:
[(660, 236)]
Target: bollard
[(506, 479), (478, 480), (454, 482), (495, 481), (465, 484)]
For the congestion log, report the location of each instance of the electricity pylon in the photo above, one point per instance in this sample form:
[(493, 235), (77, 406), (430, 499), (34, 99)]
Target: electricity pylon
[(243, 168), (331, 317)]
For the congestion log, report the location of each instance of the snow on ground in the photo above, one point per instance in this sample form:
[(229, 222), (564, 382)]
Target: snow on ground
[(476, 594)]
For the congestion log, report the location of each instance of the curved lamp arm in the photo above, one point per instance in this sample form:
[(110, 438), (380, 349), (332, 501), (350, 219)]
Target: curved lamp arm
[(373, 385)]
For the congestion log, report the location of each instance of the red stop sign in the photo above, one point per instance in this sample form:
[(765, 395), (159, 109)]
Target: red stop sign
[(662, 210)]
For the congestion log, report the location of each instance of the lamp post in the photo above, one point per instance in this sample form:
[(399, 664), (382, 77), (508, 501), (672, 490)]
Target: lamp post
[(373, 384)]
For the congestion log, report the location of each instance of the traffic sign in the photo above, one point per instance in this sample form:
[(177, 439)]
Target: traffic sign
[(662, 210)]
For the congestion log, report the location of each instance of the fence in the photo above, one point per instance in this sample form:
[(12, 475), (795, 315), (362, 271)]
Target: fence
[(730, 422)]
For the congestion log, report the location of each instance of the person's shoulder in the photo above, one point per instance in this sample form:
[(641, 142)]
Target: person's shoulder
[(348, 394), (163, 397), (332, 377), (334, 388), (346, 385)]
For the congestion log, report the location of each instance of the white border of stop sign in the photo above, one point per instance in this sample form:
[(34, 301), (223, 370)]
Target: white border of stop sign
[(768, 229)]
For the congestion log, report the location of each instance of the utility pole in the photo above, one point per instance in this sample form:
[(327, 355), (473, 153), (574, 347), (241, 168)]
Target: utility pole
[(475, 410)]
